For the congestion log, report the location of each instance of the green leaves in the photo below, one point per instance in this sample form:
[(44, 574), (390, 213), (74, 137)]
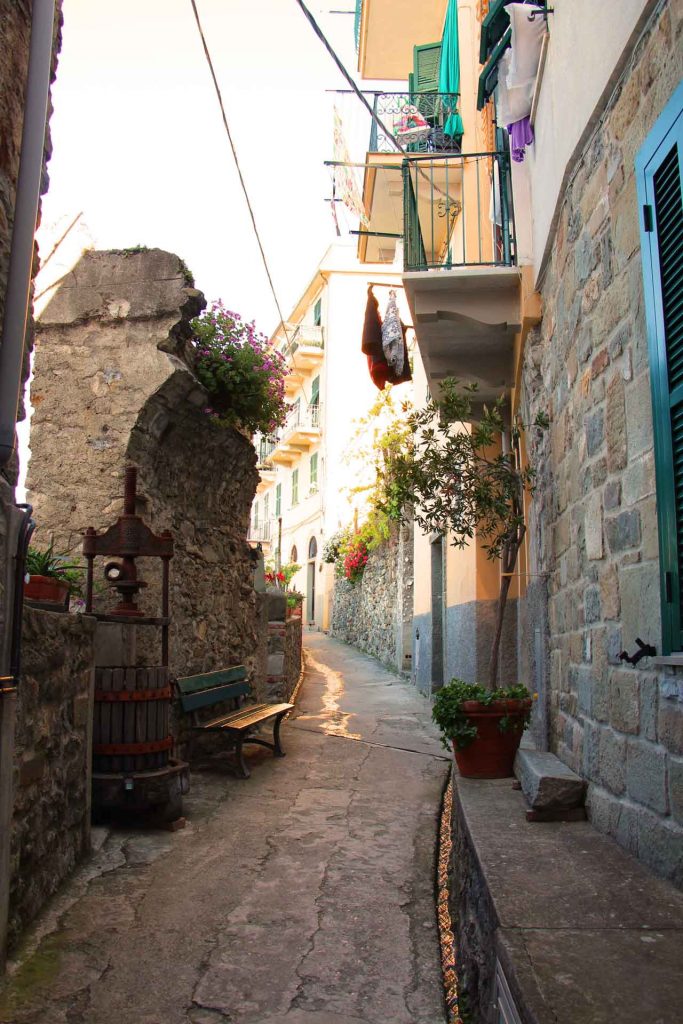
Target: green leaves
[(451, 717)]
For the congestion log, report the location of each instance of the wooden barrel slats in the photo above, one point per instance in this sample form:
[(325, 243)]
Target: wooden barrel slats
[(131, 709)]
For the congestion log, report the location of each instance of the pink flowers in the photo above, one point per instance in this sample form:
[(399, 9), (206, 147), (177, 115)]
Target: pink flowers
[(355, 559)]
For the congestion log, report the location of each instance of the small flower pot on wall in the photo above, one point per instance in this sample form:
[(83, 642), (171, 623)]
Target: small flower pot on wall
[(47, 590)]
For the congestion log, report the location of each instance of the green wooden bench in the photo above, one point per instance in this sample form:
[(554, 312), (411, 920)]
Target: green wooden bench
[(199, 696)]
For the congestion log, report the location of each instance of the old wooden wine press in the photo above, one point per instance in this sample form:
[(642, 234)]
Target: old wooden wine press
[(132, 764)]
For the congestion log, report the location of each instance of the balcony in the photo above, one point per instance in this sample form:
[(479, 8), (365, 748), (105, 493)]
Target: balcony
[(302, 429), (260, 533), (394, 110), (265, 446), (470, 302)]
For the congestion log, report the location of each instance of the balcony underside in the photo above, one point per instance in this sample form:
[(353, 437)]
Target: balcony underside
[(285, 455), (303, 437), (465, 322)]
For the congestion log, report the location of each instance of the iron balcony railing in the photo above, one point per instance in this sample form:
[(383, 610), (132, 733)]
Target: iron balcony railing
[(265, 446), (356, 22), (298, 335), (417, 121), (458, 212), (301, 417), (260, 533)]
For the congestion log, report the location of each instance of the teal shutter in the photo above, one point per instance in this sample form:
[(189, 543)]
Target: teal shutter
[(278, 500), (295, 487), (488, 79), (314, 472), (425, 76), (659, 168), (493, 27), (315, 391), (266, 508), (318, 313)]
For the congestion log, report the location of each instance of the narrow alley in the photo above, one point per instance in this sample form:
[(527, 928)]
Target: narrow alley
[(304, 895)]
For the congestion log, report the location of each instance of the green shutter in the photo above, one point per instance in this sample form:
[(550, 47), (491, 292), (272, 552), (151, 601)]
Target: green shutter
[(314, 471), (256, 516), (278, 500), (266, 508), (315, 391), (659, 169), (493, 27), (295, 487), (425, 76), (318, 313), (488, 79)]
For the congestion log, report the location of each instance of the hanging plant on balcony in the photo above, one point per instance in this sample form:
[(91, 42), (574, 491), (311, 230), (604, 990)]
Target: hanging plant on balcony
[(245, 378)]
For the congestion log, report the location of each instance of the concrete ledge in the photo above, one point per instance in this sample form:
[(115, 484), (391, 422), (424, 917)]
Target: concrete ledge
[(547, 783), (584, 933)]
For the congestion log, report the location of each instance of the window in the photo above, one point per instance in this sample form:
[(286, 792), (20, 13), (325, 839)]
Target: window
[(314, 473), (294, 554), (318, 313), (266, 508), (312, 547), (658, 172), (295, 487), (278, 501), (256, 515), (295, 413), (315, 391)]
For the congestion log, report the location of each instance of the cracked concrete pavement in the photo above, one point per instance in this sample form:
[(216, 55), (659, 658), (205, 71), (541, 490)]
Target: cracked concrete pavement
[(303, 895)]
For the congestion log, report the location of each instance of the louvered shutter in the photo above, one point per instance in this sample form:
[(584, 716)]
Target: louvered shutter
[(660, 168), (425, 76)]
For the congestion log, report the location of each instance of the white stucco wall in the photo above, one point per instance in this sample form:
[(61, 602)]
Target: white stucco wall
[(592, 38)]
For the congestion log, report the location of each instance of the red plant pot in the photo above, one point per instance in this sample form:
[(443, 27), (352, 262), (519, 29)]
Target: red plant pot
[(491, 754), (295, 612), (46, 589)]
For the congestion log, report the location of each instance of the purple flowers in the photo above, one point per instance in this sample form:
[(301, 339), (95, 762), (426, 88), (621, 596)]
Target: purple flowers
[(243, 375)]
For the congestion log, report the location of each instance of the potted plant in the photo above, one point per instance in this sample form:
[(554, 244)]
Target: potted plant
[(51, 578), (461, 475), (295, 601)]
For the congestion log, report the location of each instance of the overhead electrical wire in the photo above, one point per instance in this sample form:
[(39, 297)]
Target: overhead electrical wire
[(328, 46), (239, 169)]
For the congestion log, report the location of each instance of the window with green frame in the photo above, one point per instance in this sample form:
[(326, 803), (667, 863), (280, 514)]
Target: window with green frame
[(278, 501), (659, 166), (295, 487), (318, 313), (314, 473)]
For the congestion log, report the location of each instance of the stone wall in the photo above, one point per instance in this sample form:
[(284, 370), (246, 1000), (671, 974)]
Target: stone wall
[(375, 614), (593, 525), (113, 386), (51, 822)]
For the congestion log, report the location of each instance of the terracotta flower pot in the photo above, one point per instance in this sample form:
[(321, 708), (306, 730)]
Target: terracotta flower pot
[(295, 611), (491, 753), (47, 589)]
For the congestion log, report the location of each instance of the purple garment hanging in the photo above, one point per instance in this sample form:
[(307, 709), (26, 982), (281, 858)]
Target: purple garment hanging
[(521, 136)]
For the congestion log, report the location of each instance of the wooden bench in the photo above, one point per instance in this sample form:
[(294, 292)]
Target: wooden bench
[(200, 693)]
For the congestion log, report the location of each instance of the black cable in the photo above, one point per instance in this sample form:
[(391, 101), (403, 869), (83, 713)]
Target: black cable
[(237, 165), (323, 39)]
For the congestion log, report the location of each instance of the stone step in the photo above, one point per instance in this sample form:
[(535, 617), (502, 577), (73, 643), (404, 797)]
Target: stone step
[(547, 783)]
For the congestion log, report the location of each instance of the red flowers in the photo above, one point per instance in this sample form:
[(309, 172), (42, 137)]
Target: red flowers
[(355, 559)]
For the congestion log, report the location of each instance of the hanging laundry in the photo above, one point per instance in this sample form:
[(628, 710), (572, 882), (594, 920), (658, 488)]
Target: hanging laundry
[(400, 377), (521, 136), (371, 343), (392, 335)]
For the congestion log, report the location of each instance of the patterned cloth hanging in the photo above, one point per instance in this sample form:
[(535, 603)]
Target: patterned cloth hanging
[(372, 344), (392, 335)]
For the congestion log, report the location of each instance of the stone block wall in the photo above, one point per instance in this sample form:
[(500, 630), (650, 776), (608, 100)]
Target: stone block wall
[(593, 525), (284, 659), (113, 385), (50, 830), (375, 614)]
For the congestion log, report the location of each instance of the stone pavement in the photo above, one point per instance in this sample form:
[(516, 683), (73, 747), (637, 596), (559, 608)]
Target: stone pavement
[(303, 895)]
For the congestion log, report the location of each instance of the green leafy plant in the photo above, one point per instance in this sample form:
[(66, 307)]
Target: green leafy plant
[(458, 472), (452, 720), (243, 374), (58, 566), (294, 597)]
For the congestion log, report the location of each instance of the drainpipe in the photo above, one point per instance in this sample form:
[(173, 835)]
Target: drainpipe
[(25, 217)]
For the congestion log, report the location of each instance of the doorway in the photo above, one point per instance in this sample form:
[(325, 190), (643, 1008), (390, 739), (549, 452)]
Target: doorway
[(437, 548), (310, 588)]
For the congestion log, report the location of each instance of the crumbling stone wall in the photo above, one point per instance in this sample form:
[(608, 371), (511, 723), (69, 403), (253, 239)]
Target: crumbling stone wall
[(375, 614), (51, 821), (593, 525), (112, 386)]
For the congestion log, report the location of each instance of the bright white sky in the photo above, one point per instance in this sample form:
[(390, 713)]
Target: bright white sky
[(140, 148)]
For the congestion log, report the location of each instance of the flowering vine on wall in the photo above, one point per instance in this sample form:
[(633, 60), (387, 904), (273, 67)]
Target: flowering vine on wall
[(244, 376)]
